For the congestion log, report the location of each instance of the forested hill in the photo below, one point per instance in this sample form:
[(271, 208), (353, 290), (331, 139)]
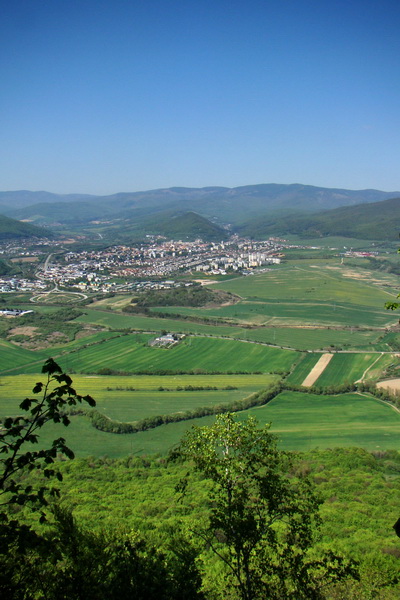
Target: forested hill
[(171, 224), (191, 225), (374, 221), (12, 229)]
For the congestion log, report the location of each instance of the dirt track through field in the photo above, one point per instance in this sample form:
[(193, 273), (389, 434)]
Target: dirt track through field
[(317, 370)]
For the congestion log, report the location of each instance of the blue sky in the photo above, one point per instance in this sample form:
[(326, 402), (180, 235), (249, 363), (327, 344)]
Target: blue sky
[(106, 96)]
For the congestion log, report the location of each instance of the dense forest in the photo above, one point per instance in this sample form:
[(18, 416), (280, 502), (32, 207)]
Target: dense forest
[(372, 221), (191, 295), (225, 516)]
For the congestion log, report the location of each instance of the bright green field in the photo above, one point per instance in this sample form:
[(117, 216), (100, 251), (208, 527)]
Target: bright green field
[(145, 400), (346, 367), (342, 368), (13, 356), (131, 353), (327, 294), (299, 338), (314, 293), (307, 292), (331, 282), (304, 421), (301, 421)]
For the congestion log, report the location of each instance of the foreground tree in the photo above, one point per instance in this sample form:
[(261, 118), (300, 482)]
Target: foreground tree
[(18, 438), (261, 517), (19, 434), (63, 561)]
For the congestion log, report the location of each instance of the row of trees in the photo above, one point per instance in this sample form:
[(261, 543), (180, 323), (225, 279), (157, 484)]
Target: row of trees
[(103, 423), (108, 425)]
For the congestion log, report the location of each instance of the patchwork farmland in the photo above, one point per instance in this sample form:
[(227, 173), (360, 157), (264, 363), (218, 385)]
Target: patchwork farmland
[(282, 322)]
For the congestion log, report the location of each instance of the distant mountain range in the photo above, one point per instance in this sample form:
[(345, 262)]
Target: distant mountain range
[(256, 211)]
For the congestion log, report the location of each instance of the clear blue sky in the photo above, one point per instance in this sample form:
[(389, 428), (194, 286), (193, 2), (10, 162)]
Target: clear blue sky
[(124, 95)]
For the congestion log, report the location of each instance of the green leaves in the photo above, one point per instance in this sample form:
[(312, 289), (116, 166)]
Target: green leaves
[(53, 397), (392, 305), (262, 518), (51, 367)]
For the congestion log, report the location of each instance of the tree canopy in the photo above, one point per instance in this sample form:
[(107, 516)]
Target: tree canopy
[(262, 515)]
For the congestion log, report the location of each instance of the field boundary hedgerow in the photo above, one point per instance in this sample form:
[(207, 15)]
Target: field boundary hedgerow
[(106, 424)]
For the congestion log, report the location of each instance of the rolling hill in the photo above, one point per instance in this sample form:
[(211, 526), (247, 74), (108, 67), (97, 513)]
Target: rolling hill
[(372, 221), (170, 224), (13, 229)]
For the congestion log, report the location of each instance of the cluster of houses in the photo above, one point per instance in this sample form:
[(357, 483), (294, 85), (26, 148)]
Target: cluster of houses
[(14, 312), (14, 284), (167, 340), (243, 263), (120, 267)]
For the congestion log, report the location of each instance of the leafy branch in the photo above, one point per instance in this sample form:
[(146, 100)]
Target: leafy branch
[(52, 397)]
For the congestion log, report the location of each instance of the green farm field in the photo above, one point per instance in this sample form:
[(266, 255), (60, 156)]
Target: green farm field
[(301, 338), (131, 353), (312, 338), (305, 421), (344, 367), (301, 421), (301, 322), (116, 320), (348, 367), (15, 359), (330, 282), (12, 356), (129, 399), (311, 294), (303, 367), (292, 312), (305, 305)]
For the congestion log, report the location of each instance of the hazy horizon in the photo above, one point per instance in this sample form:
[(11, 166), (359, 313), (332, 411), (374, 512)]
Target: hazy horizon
[(192, 188)]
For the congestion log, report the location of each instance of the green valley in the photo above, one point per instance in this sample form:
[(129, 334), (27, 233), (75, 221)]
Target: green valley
[(299, 345), (269, 328)]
